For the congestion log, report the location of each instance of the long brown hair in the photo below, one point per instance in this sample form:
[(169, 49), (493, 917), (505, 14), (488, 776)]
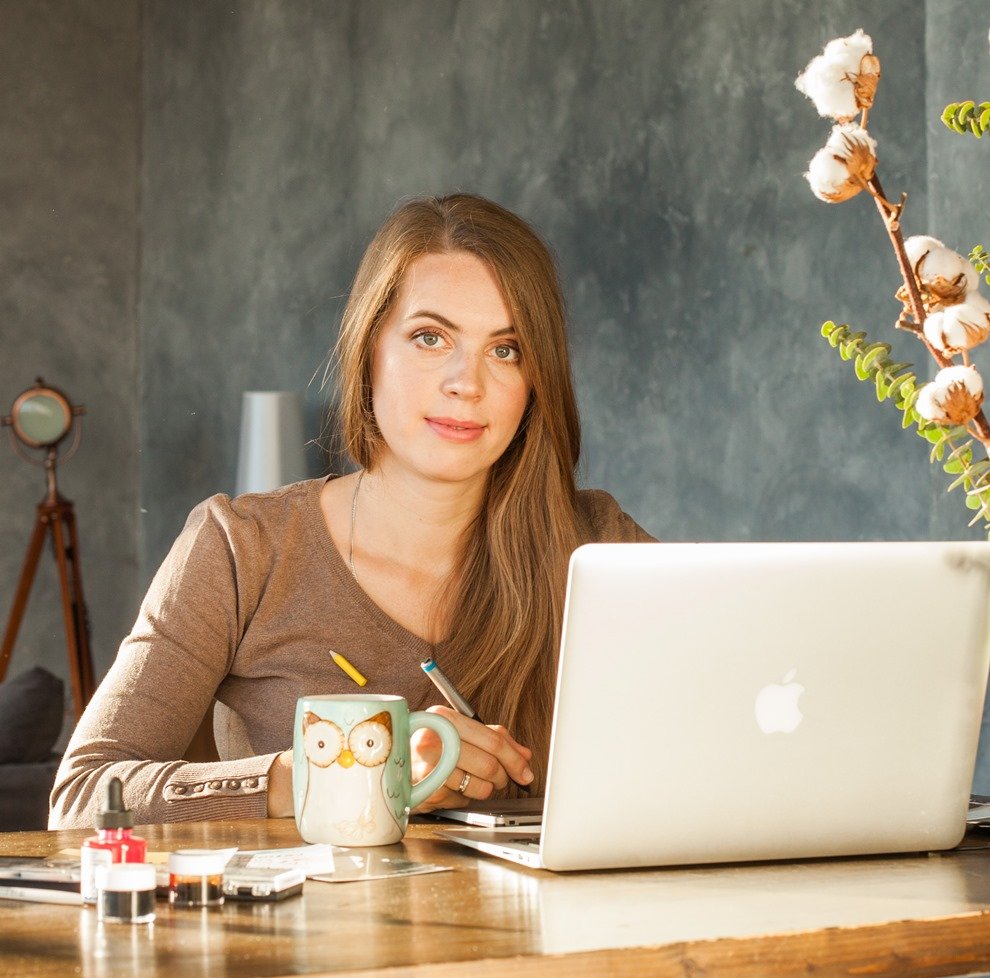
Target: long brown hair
[(506, 599)]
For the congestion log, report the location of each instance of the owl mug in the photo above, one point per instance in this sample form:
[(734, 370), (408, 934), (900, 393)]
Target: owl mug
[(351, 783)]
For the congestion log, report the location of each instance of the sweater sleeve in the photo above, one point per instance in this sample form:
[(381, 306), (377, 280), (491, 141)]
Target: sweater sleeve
[(146, 710)]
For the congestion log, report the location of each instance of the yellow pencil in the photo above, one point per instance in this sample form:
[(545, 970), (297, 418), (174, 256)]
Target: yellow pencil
[(348, 668)]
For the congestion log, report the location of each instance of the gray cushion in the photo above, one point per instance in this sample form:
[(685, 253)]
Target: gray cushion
[(31, 706)]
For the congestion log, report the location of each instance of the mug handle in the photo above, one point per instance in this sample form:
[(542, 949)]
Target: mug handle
[(451, 741)]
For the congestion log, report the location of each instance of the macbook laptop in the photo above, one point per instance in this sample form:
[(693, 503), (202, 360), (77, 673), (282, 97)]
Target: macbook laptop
[(760, 701)]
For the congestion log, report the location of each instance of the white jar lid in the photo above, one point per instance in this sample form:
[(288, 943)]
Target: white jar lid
[(198, 862), (125, 877)]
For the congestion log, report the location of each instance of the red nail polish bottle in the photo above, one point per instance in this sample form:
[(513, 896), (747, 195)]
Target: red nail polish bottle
[(113, 842)]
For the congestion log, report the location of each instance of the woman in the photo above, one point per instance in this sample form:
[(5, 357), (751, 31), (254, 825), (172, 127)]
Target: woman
[(452, 540)]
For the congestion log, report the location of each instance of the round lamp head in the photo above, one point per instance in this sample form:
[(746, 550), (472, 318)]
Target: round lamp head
[(41, 416)]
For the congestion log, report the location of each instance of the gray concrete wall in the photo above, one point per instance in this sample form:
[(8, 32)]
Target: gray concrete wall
[(659, 146), (70, 98)]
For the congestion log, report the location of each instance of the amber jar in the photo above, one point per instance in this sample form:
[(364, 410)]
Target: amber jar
[(195, 877)]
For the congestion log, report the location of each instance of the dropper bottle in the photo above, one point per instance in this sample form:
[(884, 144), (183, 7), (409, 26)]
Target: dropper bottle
[(113, 843)]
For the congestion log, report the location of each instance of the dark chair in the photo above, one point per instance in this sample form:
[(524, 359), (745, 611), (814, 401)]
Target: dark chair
[(32, 705)]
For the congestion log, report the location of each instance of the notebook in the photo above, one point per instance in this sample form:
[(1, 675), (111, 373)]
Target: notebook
[(760, 701)]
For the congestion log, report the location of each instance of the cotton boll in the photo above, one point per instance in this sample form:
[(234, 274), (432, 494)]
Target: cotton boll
[(841, 168), (957, 328), (843, 79), (949, 265), (826, 84), (829, 177), (918, 245), (965, 324), (969, 376), (953, 397), (947, 276), (849, 51)]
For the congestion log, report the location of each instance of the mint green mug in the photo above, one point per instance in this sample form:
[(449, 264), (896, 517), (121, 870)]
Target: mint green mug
[(351, 780)]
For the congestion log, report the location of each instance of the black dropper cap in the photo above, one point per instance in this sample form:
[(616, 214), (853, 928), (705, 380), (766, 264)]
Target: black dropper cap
[(115, 816)]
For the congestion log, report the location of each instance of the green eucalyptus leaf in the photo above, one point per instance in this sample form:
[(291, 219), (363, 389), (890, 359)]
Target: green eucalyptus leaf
[(954, 466), (874, 352), (963, 481)]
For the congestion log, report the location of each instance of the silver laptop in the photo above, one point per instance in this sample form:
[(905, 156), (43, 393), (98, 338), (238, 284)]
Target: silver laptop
[(753, 701)]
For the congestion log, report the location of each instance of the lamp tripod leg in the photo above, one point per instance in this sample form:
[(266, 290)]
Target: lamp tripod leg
[(80, 614), (23, 588), (72, 608)]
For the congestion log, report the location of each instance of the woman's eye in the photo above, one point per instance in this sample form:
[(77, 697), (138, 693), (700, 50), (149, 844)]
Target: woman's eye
[(431, 340), (507, 353)]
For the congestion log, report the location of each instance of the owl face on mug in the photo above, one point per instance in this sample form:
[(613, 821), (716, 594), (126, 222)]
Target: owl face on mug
[(351, 767), (368, 743), (350, 793)]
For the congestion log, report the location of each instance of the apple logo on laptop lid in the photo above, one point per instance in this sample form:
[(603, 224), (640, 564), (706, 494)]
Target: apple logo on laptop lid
[(776, 707)]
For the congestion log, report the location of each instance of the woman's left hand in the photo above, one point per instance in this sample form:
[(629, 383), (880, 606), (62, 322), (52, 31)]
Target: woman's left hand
[(490, 758)]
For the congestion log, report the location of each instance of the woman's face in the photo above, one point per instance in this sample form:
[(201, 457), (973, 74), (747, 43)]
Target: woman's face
[(448, 385)]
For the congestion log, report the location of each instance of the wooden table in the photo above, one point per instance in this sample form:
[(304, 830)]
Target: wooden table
[(917, 915)]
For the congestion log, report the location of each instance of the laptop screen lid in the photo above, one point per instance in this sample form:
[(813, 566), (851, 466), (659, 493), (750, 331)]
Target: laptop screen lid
[(727, 702)]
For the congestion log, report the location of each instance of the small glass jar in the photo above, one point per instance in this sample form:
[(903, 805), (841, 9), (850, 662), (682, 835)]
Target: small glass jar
[(125, 893), (195, 877)]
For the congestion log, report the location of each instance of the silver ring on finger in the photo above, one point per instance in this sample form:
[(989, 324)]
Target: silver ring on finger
[(465, 781)]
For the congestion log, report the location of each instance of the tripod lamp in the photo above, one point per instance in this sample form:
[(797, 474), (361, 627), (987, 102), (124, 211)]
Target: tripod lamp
[(41, 419)]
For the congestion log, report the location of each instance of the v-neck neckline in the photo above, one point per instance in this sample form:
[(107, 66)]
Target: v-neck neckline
[(345, 579)]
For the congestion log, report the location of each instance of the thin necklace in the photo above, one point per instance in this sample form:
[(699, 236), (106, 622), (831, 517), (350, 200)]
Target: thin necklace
[(350, 549)]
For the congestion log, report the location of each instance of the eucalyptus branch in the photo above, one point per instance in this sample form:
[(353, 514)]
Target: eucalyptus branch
[(966, 117), (898, 383)]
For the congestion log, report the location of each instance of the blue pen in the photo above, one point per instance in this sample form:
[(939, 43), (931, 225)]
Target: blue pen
[(448, 689)]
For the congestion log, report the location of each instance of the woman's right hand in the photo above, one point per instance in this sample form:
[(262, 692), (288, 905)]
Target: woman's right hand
[(490, 758)]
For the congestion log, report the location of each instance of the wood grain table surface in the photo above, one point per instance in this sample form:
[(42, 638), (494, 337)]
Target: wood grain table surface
[(903, 915)]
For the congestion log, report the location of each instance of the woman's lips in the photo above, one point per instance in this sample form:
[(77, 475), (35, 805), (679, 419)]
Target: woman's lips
[(452, 429)]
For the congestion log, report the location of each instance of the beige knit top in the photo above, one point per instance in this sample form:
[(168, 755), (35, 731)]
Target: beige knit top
[(244, 610)]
